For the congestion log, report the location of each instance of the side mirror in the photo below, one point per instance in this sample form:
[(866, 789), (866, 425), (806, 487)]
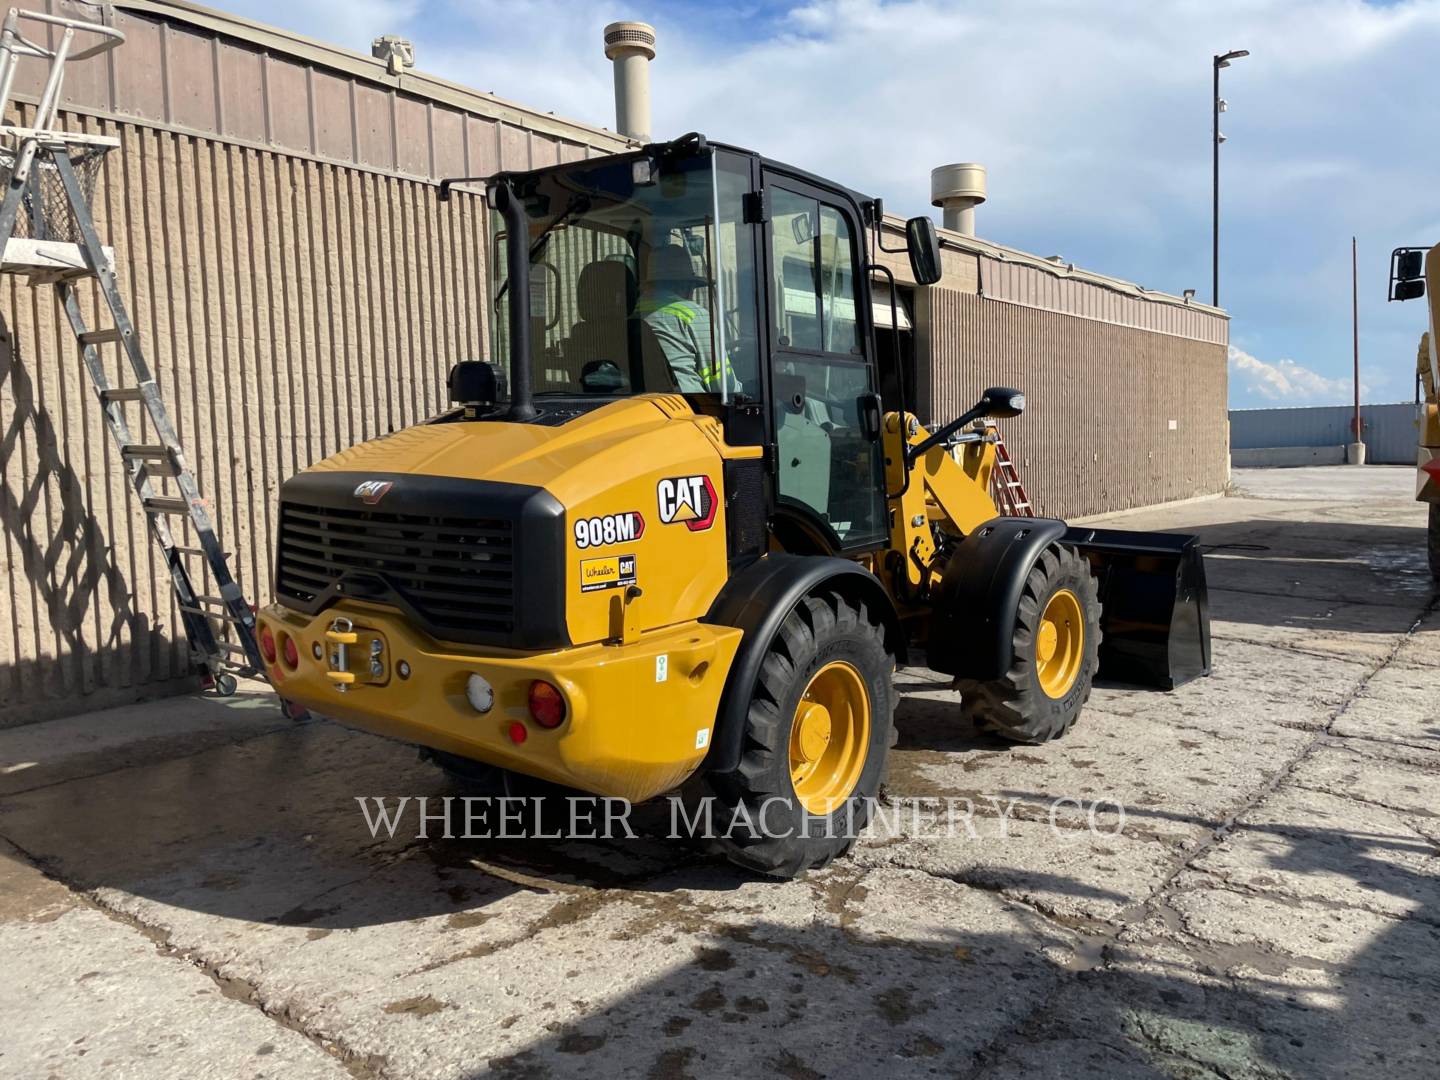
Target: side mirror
[(998, 401), (1001, 402), (1407, 273), (923, 245), (472, 382)]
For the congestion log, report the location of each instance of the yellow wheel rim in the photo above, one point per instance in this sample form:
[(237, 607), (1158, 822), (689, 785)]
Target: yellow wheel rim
[(830, 737), (1060, 644)]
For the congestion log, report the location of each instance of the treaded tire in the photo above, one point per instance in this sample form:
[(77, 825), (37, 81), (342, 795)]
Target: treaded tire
[(1014, 706), (477, 779), (1432, 541), (788, 839)]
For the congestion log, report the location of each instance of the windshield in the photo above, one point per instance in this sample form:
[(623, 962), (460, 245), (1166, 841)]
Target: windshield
[(633, 287)]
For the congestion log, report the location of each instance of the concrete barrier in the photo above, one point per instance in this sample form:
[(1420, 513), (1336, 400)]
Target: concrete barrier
[(1281, 457)]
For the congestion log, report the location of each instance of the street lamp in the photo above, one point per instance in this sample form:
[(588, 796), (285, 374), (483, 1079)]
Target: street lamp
[(1221, 61)]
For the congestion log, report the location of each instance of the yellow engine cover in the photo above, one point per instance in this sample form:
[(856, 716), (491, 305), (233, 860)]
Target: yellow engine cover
[(641, 481)]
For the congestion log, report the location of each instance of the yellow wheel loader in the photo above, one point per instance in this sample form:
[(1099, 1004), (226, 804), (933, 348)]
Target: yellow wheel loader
[(1414, 273), (671, 537)]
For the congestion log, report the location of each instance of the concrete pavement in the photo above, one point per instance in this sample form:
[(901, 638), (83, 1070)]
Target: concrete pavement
[(1242, 879)]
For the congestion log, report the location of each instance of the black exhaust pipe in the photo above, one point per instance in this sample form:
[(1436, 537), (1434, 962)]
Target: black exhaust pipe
[(517, 269)]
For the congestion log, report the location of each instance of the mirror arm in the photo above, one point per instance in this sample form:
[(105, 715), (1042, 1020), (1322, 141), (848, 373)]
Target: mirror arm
[(913, 453)]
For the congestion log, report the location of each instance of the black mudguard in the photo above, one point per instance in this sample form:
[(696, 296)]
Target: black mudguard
[(1155, 605), (973, 617), (757, 599)]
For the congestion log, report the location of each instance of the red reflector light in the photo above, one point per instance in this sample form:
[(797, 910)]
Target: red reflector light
[(292, 654), (518, 734), (267, 644), (546, 704)]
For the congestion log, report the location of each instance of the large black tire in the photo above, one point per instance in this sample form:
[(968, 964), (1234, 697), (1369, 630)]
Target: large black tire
[(1432, 541), (550, 808), (787, 839), (1016, 706)]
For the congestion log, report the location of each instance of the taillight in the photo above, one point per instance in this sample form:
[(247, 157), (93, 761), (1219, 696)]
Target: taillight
[(292, 654), (267, 644), (547, 707)]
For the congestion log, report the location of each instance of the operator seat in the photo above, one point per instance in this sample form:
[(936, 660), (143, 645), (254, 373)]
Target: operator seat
[(605, 295)]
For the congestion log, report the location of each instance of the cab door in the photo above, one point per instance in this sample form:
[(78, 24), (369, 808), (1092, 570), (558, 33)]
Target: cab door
[(830, 466)]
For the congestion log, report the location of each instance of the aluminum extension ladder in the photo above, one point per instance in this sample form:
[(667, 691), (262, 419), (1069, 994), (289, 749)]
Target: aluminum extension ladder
[(51, 177), (1005, 486)]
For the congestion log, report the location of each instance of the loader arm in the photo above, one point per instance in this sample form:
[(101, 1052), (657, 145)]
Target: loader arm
[(941, 487)]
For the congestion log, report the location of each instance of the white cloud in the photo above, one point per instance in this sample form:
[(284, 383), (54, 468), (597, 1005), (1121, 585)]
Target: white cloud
[(340, 22), (1287, 382)]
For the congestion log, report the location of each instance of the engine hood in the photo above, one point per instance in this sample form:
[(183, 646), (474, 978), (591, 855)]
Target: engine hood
[(578, 456)]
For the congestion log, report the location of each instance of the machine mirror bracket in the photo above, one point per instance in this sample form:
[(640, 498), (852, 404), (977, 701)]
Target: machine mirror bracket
[(1407, 273)]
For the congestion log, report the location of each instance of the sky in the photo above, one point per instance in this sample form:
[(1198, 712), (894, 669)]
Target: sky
[(1093, 119)]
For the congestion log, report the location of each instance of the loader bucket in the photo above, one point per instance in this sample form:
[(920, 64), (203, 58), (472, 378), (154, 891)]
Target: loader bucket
[(1155, 617)]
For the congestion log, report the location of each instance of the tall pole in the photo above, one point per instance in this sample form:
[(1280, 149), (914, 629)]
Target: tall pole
[(1355, 329), (1219, 61), (1215, 193)]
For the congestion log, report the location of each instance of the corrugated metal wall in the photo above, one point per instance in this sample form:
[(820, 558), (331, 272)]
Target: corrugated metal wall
[(1056, 290), (289, 309), (1390, 431), (1096, 434), (290, 303)]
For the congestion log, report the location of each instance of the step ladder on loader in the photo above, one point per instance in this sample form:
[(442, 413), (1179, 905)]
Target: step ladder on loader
[(47, 234)]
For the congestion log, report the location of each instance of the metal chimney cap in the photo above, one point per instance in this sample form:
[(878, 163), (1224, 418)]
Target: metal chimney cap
[(622, 37), (965, 180)]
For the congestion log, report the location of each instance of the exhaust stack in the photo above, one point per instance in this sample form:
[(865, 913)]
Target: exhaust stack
[(957, 190), (631, 46)]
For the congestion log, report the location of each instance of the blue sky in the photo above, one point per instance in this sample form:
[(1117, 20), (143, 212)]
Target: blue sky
[(1093, 119)]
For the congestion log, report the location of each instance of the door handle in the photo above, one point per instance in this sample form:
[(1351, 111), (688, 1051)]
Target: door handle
[(869, 405)]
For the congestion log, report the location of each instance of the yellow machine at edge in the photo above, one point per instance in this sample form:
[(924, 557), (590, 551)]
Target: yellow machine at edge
[(680, 529), (1415, 272)]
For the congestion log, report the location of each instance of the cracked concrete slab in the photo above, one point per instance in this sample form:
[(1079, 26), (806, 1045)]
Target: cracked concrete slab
[(1399, 704), (85, 995), (1372, 774), (1313, 845), (1268, 910), (1360, 632), (1069, 873)]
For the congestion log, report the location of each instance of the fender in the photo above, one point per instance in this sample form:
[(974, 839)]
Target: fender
[(756, 600), (979, 596)]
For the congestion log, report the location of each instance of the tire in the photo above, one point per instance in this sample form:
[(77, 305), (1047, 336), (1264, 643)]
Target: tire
[(1432, 542), (769, 814), (226, 684), (550, 810), (1035, 702)]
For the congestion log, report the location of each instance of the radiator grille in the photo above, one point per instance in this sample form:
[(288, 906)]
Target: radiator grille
[(457, 573)]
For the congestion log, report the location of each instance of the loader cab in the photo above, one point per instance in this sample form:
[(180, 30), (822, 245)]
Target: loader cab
[(738, 282)]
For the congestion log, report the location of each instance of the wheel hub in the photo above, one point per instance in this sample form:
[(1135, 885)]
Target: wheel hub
[(814, 725), (1046, 643), (1060, 644), (829, 737)]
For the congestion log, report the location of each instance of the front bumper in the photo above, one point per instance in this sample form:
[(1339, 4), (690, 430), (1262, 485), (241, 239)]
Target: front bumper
[(638, 717)]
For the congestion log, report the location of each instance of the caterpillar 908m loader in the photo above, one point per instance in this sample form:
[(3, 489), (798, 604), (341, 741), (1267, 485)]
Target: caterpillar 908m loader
[(672, 535), (1415, 272)]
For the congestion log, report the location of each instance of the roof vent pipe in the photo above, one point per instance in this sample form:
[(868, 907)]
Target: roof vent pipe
[(631, 45), (957, 190)]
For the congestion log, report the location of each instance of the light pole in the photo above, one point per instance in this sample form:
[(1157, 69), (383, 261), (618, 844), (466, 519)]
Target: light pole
[(1221, 61)]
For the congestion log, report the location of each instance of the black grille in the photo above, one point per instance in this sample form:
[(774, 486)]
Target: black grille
[(457, 573)]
